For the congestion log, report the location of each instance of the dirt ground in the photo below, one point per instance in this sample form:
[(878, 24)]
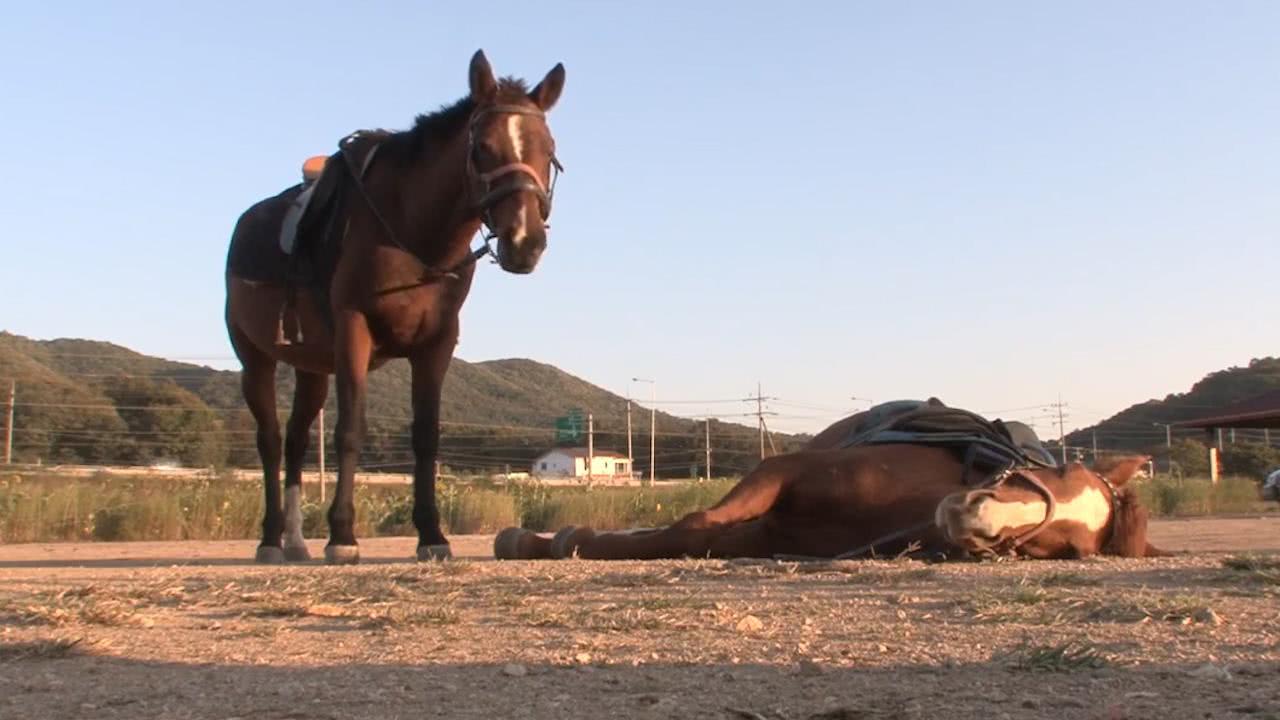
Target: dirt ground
[(193, 630)]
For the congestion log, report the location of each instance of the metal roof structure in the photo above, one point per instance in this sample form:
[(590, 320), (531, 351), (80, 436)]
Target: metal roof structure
[(1262, 411)]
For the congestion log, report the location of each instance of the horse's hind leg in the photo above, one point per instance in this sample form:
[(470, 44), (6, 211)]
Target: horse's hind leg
[(746, 539), (309, 394), (695, 533), (753, 496), (515, 543), (258, 384)]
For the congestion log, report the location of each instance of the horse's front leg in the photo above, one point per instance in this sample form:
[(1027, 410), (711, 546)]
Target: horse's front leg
[(429, 367), (353, 348)]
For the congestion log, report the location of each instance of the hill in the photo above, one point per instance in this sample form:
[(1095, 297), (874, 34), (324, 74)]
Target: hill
[(95, 402)]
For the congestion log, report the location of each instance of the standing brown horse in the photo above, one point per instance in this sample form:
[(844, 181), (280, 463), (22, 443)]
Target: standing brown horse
[(391, 285), (830, 501)]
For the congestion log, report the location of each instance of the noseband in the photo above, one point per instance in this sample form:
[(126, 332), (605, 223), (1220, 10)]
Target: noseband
[(521, 177), (1009, 546)]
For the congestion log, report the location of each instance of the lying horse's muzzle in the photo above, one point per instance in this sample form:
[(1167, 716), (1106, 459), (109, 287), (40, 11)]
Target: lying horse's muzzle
[(961, 519), (978, 521)]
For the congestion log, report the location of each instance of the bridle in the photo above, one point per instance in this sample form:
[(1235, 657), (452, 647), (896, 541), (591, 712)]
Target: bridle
[(520, 177), (1009, 546), (524, 178)]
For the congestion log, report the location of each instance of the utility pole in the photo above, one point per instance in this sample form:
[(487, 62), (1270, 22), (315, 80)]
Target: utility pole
[(760, 416), (591, 447), (322, 453), (653, 433), (631, 461), (653, 425), (8, 424), (708, 449), (1168, 434), (1062, 435), (1095, 445)]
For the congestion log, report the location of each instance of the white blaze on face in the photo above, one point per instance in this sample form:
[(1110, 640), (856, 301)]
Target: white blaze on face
[(1090, 508), (519, 230), (293, 517), (513, 132)]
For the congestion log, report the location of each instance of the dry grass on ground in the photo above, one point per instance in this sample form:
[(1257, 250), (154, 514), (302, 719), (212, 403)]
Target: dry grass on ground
[(1166, 638)]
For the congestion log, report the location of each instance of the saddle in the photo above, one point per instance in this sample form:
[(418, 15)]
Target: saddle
[(309, 231), (986, 446)]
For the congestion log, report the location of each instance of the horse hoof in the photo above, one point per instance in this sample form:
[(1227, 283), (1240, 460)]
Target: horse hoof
[(269, 555), (567, 540), (297, 553), (341, 554), (428, 553), (506, 544)]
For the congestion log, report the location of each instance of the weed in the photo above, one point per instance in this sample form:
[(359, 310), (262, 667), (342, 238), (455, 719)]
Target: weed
[(1063, 657)]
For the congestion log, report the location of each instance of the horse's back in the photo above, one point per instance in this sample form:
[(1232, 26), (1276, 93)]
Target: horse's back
[(255, 252), (867, 478)]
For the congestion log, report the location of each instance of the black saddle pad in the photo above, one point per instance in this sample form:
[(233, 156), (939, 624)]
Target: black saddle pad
[(930, 422)]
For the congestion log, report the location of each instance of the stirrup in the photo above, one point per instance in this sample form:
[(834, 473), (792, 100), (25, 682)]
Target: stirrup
[(290, 338)]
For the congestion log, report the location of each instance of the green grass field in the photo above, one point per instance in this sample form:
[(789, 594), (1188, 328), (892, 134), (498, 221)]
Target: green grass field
[(45, 507)]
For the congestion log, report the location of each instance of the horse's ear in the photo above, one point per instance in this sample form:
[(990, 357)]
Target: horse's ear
[(548, 91), (1119, 470), (480, 76)]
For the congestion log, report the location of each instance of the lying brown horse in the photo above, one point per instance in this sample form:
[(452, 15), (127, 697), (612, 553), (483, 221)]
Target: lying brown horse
[(397, 276), (825, 502)]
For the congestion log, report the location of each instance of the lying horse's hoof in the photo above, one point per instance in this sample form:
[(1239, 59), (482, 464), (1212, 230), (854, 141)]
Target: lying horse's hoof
[(297, 553), (508, 545), (341, 554), (566, 542), (427, 553), (269, 555)]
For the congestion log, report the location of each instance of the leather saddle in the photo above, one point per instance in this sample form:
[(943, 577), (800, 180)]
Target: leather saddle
[(985, 446), (309, 230)]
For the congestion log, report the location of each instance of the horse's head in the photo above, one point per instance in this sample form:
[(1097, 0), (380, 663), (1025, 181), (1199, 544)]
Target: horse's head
[(511, 160), (1051, 513)]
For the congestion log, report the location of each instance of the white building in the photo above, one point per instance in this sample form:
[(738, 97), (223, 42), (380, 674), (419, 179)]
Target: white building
[(572, 463)]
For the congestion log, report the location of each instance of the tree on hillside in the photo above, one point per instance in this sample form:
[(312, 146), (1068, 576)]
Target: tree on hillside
[(165, 422)]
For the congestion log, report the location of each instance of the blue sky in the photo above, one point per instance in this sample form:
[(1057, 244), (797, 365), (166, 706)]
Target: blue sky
[(996, 202)]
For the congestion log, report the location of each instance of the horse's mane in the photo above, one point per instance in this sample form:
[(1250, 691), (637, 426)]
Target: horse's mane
[(1128, 527), (430, 130)]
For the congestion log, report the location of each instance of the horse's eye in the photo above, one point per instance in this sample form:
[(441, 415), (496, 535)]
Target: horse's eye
[(486, 154)]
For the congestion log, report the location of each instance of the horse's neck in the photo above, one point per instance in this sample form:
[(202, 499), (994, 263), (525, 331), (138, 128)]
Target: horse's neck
[(438, 218)]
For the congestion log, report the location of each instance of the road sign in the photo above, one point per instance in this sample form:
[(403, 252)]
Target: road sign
[(570, 428)]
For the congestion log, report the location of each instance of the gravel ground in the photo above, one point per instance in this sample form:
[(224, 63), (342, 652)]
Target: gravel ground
[(190, 630)]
